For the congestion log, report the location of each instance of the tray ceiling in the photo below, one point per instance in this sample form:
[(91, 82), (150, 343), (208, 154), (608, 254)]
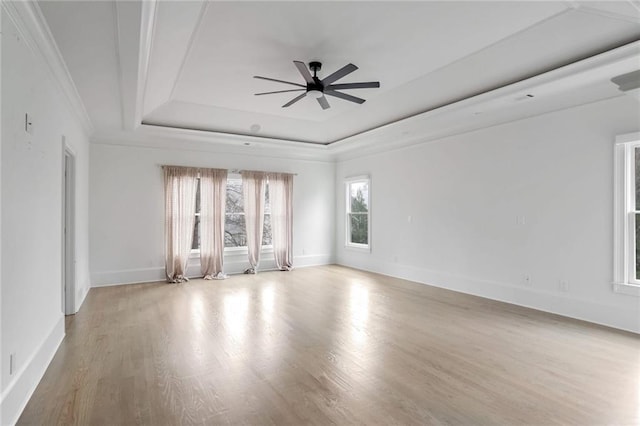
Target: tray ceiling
[(190, 64)]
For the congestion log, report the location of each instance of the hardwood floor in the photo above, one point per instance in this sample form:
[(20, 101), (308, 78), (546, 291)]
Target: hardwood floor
[(329, 345)]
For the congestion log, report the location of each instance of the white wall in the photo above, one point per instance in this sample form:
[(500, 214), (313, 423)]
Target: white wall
[(465, 193), (127, 209), (32, 320)]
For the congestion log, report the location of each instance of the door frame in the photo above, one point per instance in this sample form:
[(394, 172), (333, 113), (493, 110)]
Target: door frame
[(68, 229)]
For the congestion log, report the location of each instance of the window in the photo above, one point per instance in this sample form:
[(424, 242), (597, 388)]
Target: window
[(235, 234), (627, 215), (358, 226)]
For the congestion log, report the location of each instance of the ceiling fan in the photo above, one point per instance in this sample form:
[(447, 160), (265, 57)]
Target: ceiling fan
[(316, 88)]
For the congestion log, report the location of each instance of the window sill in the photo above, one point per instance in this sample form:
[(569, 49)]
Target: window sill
[(628, 289), (358, 247), (232, 251)]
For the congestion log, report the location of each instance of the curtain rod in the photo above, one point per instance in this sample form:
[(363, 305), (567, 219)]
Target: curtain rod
[(238, 171)]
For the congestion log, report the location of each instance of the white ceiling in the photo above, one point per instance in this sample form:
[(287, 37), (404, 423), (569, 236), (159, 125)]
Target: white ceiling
[(195, 70)]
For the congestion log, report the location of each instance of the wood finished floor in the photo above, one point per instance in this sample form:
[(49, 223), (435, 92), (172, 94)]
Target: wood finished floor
[(329, 345)]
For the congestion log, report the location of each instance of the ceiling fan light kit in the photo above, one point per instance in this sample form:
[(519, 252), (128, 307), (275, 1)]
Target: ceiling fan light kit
[(316, 88)]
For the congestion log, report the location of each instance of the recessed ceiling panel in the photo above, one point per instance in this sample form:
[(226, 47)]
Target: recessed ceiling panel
[(391, 42)]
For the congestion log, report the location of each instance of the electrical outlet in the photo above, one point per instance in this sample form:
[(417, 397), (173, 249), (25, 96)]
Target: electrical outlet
[(563, 285), (526, 279)]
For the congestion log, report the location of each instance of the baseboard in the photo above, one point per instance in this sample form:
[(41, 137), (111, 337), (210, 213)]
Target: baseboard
[(127, 276), (145, 275), (80, 300), (26, 379), (539, 299)]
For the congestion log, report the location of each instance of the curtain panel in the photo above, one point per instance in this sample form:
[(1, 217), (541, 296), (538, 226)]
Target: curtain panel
[(253, 192), (281, 200), (180, 184), (213, 194)]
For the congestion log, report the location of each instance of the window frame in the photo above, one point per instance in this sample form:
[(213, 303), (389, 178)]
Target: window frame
[(347, 226), (624, 257), (268, 248)]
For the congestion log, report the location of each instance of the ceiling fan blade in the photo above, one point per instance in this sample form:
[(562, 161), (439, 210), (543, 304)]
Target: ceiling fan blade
[(279, 91), (344, 96), (294, 100), (323, 102), (279, 81), (347, 69), (302, 67), (367, 85)]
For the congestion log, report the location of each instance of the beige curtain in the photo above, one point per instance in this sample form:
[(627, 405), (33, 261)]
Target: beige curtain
[(180, 184), (213, 192), (253, 192), (281, 201)]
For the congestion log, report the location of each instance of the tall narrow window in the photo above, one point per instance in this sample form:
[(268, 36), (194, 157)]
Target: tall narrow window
[(358, 226), (635, 213), (627, 214)]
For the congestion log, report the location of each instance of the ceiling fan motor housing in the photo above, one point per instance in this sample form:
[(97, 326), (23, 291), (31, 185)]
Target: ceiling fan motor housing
[(317, 84)]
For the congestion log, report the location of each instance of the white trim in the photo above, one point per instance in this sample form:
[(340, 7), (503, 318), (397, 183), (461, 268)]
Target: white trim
[(24, 383), (530, 297), (231, 267), (192, 39), (629, 289), (31, 24), (147, 29), (197, 140), (623, 218), (233, 251), (120, 73), (69, 273)]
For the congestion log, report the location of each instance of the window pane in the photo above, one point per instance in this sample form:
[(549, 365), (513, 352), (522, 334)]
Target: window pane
[(359, 228), (235, 234), (267, 204), (359, 196), (266, 233), (637, 152), (234, 196), (198, 197), (195, 243)]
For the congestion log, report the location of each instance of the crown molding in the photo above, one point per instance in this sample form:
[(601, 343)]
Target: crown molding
[(156, 137), (32, 26)]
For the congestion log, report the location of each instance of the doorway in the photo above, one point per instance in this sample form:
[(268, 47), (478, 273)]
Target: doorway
[(68, 231)]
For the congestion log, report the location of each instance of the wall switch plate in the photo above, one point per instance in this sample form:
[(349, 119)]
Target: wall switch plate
[(563, 285), (526, 279)]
